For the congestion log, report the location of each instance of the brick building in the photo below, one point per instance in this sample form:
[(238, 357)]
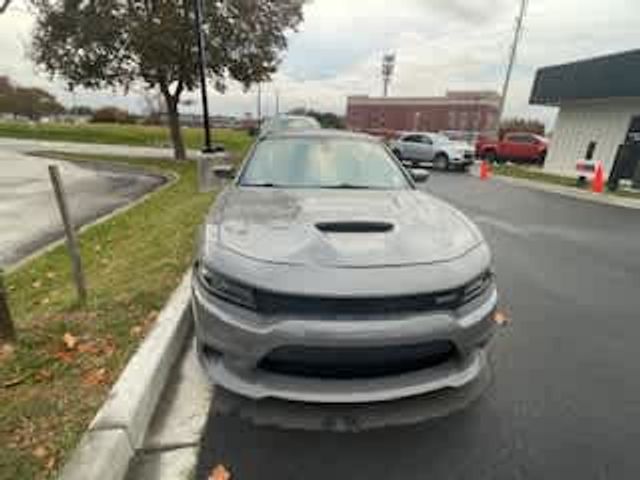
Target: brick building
[(471, 111)]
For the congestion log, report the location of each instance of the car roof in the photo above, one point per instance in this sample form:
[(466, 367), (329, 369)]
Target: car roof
[(322, 134), (421, 133)]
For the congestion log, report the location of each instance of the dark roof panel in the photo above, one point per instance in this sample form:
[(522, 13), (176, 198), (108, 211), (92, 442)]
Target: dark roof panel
[(610, 76)]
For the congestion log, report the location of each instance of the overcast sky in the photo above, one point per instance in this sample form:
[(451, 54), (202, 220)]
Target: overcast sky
[(440, 45)]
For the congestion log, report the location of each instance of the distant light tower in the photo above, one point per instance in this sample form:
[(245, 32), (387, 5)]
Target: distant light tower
[(388, 67), (513, 53)]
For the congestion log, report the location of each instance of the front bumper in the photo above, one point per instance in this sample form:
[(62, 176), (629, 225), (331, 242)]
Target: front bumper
[(233, 342), (462, 160)]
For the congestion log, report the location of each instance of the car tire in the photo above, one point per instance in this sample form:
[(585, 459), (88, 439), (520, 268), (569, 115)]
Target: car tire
[(441, 162), (491, 156), (540, 160)]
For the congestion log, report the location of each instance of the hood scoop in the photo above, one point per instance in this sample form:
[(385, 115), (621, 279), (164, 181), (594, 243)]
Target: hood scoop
[(354, 227)]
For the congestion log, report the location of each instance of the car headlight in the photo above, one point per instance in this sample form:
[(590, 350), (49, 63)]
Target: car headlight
[(225, 288)]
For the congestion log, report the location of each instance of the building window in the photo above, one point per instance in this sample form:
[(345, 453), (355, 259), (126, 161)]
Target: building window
[(591, 148), (452, 120), (464, 119)]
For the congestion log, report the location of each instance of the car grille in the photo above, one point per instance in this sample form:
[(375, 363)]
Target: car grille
[(271, 303), (357, 362)]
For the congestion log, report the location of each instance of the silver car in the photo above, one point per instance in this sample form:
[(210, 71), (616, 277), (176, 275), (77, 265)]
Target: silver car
[(424, 148), (281, 123), (324, 275)]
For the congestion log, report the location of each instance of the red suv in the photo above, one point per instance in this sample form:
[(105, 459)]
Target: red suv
[(515, 147)]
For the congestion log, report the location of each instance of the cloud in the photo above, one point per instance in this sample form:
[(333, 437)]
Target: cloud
[(440, 45)]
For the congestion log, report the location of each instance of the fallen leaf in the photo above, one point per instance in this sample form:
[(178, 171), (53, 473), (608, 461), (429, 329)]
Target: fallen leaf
[(51, 275), (6, 351), (36, 284), (15, 381), (45, 301), (65, 357), (70, 341), (51, 463), (44, 375), (220, 473), (40, 452), (136, 331), (89, 347), (104, 261), (96, 377)]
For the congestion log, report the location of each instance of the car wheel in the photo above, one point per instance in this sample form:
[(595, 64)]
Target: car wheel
[(441, 162), (491, 156), (540, 160)]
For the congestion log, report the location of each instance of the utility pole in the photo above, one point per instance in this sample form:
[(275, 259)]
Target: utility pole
[(202, 68), (277, 102), (259, 110), (512, 59), (388, 67)]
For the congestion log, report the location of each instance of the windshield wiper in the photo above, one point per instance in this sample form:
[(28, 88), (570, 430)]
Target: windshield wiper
[(261, 185), (349, 186)]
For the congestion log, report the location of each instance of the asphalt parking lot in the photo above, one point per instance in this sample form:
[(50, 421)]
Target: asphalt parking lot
[(29, 218), (565, 397)]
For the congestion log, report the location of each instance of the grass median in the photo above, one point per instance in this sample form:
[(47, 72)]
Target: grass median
[(67, 355), (537, 175), (109, 133)]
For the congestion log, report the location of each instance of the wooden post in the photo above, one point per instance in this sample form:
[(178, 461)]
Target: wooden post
[(72, 243), (7, 330)]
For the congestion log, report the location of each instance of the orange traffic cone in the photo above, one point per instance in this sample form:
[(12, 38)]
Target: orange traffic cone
[(597, 186), (484, 170)]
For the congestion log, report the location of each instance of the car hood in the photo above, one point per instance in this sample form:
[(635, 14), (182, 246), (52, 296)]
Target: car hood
[(341, 228)]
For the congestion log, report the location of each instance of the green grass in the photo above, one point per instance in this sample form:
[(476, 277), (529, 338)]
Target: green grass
[(537, 175), (132, 263), (533, 174), (137, 135)]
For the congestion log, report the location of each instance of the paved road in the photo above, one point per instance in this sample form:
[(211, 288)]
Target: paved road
[(565, 401), (28, 215)]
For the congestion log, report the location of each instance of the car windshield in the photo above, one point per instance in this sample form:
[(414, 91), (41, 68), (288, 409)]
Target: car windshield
[(323, 163)]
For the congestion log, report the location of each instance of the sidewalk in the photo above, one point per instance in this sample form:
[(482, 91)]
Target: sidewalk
[(172, 442)]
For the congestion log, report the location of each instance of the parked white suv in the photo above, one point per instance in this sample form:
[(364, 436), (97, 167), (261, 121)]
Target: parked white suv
[(419, 148)]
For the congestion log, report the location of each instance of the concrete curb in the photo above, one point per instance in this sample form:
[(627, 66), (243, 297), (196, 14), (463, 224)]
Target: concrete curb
[(573, 193), (118, 429), (602, 199)]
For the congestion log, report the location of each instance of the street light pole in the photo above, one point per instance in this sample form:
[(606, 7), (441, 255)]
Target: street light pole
[(202, 68), (512, 59), (259, 112)]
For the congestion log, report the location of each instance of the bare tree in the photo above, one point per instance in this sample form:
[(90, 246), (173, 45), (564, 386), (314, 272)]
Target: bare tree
[(4, 5)]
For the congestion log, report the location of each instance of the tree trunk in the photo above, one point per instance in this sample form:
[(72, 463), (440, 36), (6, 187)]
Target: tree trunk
[(179, 152), (7, 331)]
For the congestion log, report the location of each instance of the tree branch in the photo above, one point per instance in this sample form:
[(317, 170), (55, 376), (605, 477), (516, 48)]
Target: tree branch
[(4, 5)]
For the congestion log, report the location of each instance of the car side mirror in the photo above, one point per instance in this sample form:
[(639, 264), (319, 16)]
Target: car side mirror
[(419, 175)]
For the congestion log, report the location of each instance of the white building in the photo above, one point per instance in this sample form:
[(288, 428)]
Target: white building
[(599, 102)]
